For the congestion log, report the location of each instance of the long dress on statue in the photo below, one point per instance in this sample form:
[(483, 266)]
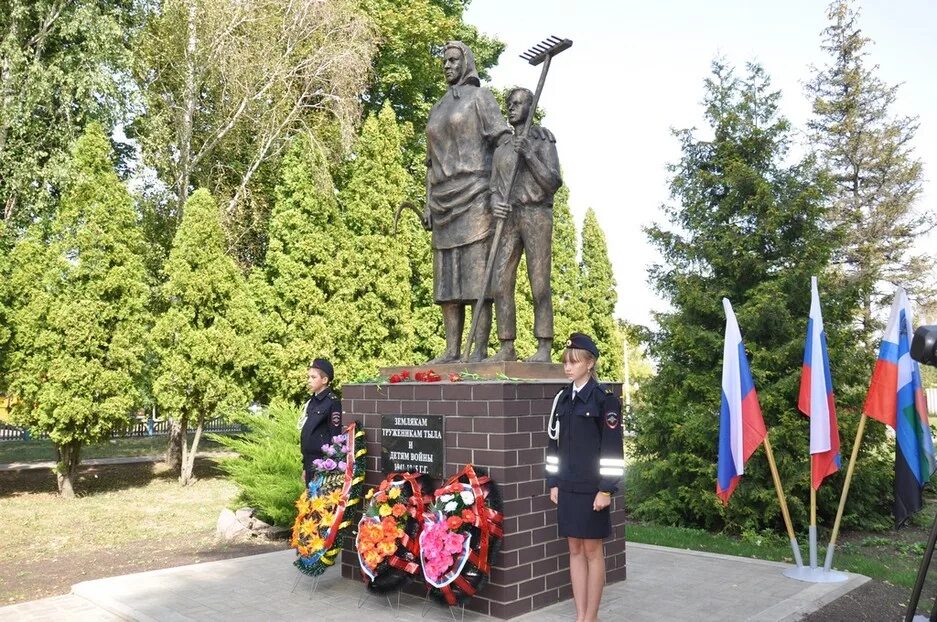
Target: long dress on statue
[(463, 130)]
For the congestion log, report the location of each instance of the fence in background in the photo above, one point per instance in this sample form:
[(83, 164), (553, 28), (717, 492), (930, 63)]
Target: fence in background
[(137, 428)]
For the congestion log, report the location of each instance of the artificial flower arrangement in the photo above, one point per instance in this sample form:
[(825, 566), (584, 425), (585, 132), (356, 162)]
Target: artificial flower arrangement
[(461, 534), (324, 510), (388, 533)]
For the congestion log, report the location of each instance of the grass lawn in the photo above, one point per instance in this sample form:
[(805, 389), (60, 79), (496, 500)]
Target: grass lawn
[(892, 557), (41, 450), (126, 518)]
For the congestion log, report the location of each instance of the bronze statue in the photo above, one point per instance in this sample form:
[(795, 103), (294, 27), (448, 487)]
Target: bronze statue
[(528, 224), (464, 128)]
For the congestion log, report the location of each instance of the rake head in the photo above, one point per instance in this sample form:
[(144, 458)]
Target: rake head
[(548, 47)]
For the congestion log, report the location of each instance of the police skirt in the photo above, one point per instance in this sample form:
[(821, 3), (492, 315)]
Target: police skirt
[(576, 518)]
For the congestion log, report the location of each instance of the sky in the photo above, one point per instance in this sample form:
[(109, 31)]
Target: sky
[(636, 70)]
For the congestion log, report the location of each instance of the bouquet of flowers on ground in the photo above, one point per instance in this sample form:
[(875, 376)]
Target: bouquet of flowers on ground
[(387, 542), (324, 510), (461, 535)]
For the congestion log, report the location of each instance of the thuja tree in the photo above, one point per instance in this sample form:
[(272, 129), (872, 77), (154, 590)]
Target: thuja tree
[(370, 310), (569, 309), (207, 339), (743, 225), (599, 295), (79, 315), (293, 286)]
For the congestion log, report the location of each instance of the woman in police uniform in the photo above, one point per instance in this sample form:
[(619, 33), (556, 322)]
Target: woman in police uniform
[(584, 466), (321, 416)]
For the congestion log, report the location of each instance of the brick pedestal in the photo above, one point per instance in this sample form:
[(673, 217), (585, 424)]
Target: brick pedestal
[(498, 425)]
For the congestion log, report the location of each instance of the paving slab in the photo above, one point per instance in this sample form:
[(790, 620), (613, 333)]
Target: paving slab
[(663, 584)]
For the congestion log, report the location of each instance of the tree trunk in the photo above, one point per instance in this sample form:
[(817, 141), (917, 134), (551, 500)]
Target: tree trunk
[(68, 459), (188, 110), (188, 457), (176, 443)]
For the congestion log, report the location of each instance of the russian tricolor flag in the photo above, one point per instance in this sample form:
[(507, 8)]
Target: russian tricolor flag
[(741, 426), (816, 396), (896, 398)]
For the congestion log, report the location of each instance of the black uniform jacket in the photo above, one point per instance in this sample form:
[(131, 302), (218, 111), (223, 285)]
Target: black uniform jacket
[(587, 455), (321, 419)]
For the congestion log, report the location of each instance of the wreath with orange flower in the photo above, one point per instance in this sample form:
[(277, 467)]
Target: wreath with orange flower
[(388, 532), (324, 512)]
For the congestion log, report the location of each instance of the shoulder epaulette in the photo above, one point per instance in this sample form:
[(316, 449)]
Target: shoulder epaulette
[(333, 396), (609, 391)]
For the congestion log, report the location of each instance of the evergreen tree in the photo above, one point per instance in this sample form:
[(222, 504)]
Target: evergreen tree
[(297, 279), (6, 246), (749, 228), (206, 340), (80, 320), (569, 308), (371, 306), (599, 295), (868, 151)]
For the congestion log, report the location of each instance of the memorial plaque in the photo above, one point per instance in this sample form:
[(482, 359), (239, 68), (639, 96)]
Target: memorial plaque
[(413, 443)]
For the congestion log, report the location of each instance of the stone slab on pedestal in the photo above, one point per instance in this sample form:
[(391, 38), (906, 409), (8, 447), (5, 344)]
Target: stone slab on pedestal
[(501, 370), (500, 426)]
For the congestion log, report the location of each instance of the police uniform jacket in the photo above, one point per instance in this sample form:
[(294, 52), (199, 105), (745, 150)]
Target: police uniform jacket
[(320, 419), (585, 452)]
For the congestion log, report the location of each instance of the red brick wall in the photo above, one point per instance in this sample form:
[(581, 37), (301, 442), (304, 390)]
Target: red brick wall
[(499, 426)]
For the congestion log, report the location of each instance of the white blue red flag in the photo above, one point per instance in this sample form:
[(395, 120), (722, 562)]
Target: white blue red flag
[(816, 396), (896, 398), (741, 426)]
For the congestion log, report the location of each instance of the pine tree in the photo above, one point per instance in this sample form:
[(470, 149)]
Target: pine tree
[(207, 339), (599, 296), (868, 151), (749, 228), (80, 318)]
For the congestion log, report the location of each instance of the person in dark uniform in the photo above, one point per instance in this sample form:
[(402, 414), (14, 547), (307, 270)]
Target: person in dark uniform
[(584, 466), (321, 415)]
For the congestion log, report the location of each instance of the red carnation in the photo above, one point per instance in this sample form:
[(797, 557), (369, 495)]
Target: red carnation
[(454, 377), (394, 379), (405, 375)]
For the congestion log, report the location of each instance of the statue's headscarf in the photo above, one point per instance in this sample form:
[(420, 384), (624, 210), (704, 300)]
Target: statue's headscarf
[(469, 72)]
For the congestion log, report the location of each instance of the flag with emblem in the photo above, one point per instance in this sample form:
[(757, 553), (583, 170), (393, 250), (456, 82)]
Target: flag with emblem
[(816, 396), (741, 426), (896, 398)]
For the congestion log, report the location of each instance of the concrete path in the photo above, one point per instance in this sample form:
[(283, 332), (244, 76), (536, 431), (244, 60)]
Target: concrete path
[(663, 584)]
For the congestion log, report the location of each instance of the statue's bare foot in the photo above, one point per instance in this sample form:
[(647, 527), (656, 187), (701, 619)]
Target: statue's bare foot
[(445, 357), (542, 355), (506, 353)]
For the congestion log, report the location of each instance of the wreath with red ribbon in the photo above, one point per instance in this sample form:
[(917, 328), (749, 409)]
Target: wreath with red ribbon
[(388, 533), (461, 535), (325, 508)]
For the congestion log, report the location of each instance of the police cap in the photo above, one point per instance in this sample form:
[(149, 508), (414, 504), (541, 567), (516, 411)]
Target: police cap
[(581, 341), (324, 366)]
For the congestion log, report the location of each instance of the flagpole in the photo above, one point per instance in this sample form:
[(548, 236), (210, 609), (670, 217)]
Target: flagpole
[(813, 521), (828, 563), (783, 503)]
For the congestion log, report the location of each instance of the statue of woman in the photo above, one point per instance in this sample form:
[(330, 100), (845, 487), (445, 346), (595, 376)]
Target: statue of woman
[(464, 128)]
